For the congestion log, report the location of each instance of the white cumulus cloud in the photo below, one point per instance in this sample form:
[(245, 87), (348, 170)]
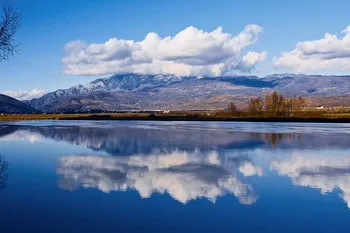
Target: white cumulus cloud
[(190, 52), (330, 52), (25, 95), (347, 30), (250, 60)]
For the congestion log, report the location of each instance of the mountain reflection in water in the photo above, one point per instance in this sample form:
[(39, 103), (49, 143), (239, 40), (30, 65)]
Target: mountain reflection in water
[(189, 162)]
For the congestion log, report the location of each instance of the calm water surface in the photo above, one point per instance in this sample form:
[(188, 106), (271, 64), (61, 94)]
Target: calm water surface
[(134, 176)]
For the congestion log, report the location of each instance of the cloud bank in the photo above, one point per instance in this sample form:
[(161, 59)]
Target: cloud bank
[(25, 95), (330, 52), (184, 176), (190, 52)]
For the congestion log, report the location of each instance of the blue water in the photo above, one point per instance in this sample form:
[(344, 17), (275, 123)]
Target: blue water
[(134, 176)]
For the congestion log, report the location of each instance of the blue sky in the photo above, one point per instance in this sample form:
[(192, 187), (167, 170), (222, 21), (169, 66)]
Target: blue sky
[(49, 25)]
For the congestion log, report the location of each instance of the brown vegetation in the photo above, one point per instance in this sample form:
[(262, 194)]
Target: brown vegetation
[(275, 105), (272, 105)]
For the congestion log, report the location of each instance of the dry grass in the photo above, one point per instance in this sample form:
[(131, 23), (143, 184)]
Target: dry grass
[(183, 115), (337, 115), (25, 117)]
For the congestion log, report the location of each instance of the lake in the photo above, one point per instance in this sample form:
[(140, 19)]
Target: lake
[(135, 176)]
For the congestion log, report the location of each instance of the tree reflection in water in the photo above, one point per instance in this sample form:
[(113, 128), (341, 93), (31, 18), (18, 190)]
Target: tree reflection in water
[(3, 175)]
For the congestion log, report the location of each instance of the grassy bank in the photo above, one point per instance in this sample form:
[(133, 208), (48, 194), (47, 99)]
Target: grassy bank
[(204, 116), (83, 116)]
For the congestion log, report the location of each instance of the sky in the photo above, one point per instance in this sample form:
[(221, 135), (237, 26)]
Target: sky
[(69, 42)]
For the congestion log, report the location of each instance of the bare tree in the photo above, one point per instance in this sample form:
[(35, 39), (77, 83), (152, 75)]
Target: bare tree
[(232, 108), (3, 168), (9, 25), (255, 106)]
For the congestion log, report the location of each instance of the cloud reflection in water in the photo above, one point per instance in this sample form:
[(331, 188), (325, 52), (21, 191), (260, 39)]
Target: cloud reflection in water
[(184, 176), (327, 173), (191, 161)]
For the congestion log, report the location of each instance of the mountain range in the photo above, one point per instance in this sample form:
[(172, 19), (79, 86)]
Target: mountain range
[(11, 105), (134, 92)]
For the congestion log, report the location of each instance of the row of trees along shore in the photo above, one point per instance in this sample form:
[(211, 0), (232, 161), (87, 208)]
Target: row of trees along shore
[(272, 105)]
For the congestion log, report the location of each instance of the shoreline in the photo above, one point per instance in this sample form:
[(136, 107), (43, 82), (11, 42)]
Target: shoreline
[(152, 117), (217, 119)]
